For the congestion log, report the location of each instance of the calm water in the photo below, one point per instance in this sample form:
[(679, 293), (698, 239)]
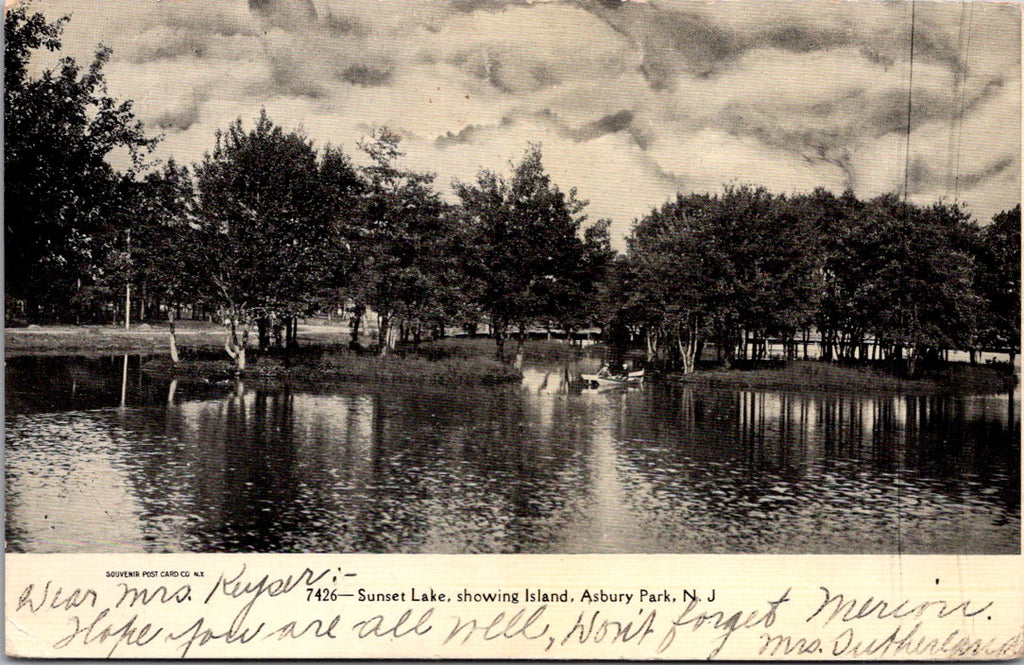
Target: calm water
[(531, 468)]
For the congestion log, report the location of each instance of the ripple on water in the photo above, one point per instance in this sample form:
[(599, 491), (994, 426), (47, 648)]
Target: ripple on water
[(499, 471)]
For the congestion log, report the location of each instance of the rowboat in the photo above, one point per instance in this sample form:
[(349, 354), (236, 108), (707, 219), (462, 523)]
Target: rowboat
[(631, 379)]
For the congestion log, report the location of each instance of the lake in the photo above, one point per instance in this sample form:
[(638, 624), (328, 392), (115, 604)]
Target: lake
[(103, 458)]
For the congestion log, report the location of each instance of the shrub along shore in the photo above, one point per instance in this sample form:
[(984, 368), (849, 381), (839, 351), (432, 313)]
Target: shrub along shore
[(448, 361), (340, 367), (959, 378)]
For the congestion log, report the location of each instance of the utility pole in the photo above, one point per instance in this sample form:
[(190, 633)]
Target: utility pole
[(128, 287)]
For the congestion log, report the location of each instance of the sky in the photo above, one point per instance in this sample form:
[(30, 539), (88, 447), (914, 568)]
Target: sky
[(631, 101)]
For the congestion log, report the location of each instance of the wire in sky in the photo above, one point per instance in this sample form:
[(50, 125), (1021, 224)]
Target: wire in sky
[(910, 101)]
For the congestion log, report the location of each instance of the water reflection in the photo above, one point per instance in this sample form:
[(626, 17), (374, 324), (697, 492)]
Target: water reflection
[(533, 468)]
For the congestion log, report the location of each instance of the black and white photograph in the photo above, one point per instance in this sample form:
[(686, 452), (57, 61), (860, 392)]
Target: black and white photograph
[(512, 277)]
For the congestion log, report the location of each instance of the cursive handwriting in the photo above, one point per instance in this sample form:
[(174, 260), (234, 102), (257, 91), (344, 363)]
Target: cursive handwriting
[(854, 610), (100, 630), (599, 629), (722, 621), (200, 634), (902, 641), (517, 625), (380, 626), (239, 586), (55, 599), (223, 614)]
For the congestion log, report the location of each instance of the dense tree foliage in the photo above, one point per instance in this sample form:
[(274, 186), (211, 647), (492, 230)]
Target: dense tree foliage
[(65, 206), (728, 267), (407, 248), (998, 281), (528, 257), (268, 228), (745, 266), (161, 259), (906, 280), (271, 213)]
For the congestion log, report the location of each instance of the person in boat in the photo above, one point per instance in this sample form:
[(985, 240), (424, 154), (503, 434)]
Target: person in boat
[(604, 372)]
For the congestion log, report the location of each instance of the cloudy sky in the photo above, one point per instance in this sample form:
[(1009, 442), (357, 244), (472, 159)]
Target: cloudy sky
[(632, 101)]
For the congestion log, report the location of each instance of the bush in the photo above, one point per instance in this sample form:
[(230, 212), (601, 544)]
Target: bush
[(464, 347), (343, 367)]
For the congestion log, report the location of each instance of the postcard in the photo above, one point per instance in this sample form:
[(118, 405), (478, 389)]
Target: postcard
[(512, 329)]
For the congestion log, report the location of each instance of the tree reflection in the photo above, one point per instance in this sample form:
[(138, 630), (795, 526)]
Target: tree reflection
[(530, 469)]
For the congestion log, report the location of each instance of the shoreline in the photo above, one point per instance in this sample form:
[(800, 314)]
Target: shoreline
[(339, 367), (816, 376), (142, 338), (322, 357)]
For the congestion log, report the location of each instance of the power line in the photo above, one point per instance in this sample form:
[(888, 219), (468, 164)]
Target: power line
[(963, 101), (910, 101), (906, 211)]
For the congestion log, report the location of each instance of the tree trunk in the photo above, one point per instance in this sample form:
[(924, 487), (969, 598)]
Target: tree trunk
[(687, 353), (912, 361), (172, 337), (354, 323), (278, 330), (498, 330), (520, 339), (287, 332), (263, 332), (234, 348), (384, 335), (651, 339)]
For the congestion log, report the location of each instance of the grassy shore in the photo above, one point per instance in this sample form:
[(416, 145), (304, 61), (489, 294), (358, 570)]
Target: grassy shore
[(340, 366), (449, 361), (477, 347), (141, 338), (152, 337), (818, 376), (322, 354)]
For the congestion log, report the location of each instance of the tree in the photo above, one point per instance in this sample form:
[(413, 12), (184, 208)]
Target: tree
[(725, 267), (908, 278), (270, 212), (998, 283), (527, 252), (162, 258), (680, 284), (573, 296), (408, 271), (779, 264), (64, 205), (831, 219)]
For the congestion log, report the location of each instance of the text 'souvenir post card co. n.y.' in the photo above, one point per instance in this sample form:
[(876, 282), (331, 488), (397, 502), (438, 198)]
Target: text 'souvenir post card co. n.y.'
[(579, 329)]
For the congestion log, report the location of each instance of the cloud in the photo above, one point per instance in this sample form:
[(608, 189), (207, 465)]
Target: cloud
[(606, 124), (632, 101), (290, 12)]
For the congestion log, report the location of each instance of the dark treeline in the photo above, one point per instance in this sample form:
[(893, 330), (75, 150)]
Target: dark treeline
[(269, 227), (745, 266)]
